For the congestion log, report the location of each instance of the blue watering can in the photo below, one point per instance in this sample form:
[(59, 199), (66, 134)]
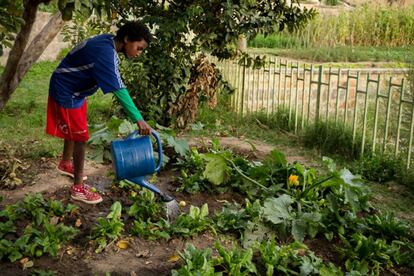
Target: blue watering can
[(133, 160)]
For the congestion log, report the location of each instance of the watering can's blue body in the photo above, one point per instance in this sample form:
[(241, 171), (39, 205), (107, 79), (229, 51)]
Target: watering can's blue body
[(133, 160)]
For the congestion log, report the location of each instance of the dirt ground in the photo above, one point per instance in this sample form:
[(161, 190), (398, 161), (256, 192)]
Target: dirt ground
[(142, 257)]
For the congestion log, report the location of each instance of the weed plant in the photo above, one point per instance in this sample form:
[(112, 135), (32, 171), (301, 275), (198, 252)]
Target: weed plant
[(332, 138), (379, 168)]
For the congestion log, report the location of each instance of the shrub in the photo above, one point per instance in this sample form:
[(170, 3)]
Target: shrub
[(332, 138), (378, 167)]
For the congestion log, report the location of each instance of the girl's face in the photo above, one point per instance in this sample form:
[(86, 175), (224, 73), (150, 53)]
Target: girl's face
[(133, 49)]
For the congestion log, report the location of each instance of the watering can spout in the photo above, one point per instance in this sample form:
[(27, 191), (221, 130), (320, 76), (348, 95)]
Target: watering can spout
[(141, 181), (133, 159), (173, 209)]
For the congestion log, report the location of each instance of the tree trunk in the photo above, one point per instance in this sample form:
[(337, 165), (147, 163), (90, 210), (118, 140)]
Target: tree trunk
[(242, 43), (20, 60), (7, 78), (38, 45)]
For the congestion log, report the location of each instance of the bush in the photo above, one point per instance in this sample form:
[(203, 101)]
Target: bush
[(332, 2), (278, 120), (332, 138), (378, 167)]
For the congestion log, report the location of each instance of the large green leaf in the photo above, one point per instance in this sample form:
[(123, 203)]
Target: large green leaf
[(276, 159), (216, 169), (180, 146), (305, 224), (299, 227), (277, 210), (256, 232), (350, 179), (126, 127)]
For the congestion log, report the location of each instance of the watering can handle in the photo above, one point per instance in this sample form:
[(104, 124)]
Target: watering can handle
[(159, 147), (157, 138)]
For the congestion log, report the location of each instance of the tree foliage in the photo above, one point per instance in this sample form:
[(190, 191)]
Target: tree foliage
[(183, 29), (160, 79), (10, 21), (16, 21)]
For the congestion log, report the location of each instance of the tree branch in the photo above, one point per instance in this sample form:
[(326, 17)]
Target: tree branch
[(39, 44)]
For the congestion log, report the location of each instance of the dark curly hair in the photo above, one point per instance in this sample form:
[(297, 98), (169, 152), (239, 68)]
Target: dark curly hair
[(135, 31)]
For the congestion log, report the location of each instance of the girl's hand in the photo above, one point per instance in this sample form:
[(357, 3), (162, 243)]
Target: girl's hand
[(144, 128)]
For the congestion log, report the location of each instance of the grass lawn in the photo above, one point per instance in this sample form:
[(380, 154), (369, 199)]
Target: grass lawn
[(23, 119)]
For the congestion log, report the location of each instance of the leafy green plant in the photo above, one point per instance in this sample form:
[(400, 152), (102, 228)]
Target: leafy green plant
[(191, 172), (145, 206), (235, 218), (280, 212), (388, 227), (367, 254), (39, 228), (197, 262), (235, 261), (196, 221), (49, 240), (381, 168), (109, 228), (186, 225), (292, 259), (151, 230)]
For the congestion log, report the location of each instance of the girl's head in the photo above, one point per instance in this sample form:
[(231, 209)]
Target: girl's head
[(134, 37)]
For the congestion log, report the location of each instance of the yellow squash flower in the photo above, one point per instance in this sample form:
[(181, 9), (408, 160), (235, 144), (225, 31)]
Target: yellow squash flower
[(293, 180)]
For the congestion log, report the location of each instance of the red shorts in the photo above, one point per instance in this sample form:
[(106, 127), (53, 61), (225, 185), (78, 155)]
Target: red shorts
[(67, 123)]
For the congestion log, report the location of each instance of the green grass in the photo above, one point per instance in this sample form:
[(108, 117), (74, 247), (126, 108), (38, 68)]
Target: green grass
[(221, 121), (23, 119), (394, 198), (365, 56)]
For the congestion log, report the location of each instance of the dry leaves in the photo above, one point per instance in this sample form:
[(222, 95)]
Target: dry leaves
[(122, 244), (174, 259), (203, 84), (26, 263)]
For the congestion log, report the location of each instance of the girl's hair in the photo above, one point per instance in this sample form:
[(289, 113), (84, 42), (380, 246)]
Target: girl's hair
[(135, 31)]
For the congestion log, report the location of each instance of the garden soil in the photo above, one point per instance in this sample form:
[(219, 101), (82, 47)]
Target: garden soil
[(141, 257)]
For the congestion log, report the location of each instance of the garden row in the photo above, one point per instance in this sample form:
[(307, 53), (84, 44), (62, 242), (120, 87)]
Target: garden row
[(286, 207)]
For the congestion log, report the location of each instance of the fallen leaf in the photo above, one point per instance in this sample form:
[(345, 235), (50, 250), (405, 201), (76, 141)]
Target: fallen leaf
[(54, 220), (29, 264), (221, 200), (143, 254), (26, 263), (78, 223), (173, 258), (69, 250), (24, 260), (122, 244)]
